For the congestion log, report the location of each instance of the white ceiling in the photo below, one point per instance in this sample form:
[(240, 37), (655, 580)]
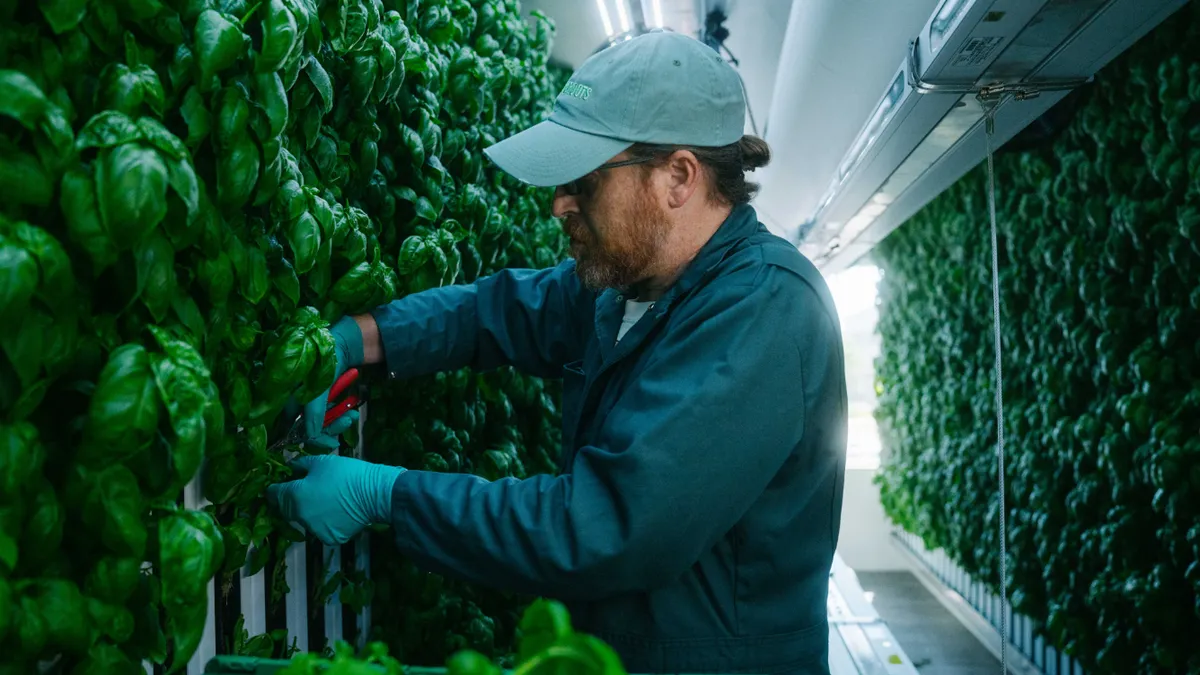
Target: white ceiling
[(839, 57), (814, 70), (578, 28), (756, 30)]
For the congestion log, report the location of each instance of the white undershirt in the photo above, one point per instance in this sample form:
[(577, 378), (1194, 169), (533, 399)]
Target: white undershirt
[(634, 311)]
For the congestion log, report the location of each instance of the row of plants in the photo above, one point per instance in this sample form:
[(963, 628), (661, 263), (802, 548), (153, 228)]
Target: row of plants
[(192, 191), (1099, 238)]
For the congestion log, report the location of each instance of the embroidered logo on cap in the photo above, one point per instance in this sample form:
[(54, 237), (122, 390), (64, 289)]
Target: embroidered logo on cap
[(576, 90)]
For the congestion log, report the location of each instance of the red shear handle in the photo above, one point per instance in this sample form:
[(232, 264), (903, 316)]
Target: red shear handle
[(341, 408), (342, 383)]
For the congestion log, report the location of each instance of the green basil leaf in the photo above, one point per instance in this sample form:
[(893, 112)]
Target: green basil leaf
[(113, 509), (182, 353), (131, 191), (304, 238), (26, 346), (65, 612), (63, 15), (123, 415), (10, 527), (22, 99), (152, 132), (324, 366), (57, 283), (156, 280), (279, 36), (321, 83), (231, 108), (43, 531), (183, 394), (23, 179), (285, 280), (426, 210), (151, 88), (217, 43), (353, 288), (188, 312), (413, 145), (77, 199), (288, 361), (272, 100), (238, 169), (188, 554), (113, 579), (544, 623), (289, 202), (18, 278), (112, 621), (254, 275), (215, 276), (107, 129)]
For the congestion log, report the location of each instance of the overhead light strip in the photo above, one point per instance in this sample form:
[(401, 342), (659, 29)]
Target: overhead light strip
[(604, 17), (949, 131), (623, 13)]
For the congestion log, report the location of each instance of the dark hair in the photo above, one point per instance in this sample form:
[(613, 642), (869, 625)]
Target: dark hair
[(726, 165)]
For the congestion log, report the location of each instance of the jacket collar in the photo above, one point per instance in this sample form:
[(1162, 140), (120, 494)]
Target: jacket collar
[(610, 305), (741, 223)]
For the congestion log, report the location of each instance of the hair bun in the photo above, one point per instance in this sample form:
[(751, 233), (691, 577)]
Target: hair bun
[(755, 152)]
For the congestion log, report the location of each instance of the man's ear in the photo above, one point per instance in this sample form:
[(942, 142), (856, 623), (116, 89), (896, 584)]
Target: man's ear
[(685, 178)]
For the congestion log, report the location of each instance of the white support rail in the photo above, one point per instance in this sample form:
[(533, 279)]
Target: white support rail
[(254, 592), (978, 609)]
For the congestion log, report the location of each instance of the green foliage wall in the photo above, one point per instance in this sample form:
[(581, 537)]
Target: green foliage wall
[(190, 190), (1100, 284)]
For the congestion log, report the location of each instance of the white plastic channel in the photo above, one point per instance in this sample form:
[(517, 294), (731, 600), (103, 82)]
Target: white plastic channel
[(193, 498), (253, 589), (333, 607), (977, 609), (362, 544), (296, 600), (254, 601)]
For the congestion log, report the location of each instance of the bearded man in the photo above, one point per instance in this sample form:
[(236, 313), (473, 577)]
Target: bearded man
[(694, 517)]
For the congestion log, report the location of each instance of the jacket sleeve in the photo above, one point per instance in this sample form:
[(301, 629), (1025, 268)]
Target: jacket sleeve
[(687, 450), (533, 320)]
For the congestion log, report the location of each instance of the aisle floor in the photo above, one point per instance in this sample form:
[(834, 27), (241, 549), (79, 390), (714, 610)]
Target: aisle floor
[(934, 640)]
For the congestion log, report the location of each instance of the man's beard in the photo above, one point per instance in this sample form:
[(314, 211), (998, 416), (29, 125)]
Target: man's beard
[(631, 242)]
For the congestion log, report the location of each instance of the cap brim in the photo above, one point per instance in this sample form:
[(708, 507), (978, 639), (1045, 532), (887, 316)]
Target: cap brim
[(549, 154)]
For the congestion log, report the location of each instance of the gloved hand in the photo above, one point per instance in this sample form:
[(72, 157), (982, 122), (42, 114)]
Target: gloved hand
[(348, 352), (338, 498)]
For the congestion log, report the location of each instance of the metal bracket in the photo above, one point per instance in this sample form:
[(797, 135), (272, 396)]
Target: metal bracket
[(1020, 91)]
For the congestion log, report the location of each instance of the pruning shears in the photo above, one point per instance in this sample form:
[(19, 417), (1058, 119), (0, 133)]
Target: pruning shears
[(333, 411)]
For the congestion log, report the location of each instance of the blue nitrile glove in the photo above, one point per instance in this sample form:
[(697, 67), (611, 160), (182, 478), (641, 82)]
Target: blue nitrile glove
[(338, 498), (348, 350)]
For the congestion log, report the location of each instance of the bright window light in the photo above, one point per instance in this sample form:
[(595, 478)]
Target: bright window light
[(604, 18), (855, 295), (623, 13)]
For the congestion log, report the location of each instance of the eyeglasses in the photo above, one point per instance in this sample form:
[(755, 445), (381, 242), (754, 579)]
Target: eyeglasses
[(581, 186)]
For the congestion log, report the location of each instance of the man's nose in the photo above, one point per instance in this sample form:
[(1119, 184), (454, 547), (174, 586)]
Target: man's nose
[(564, 204)]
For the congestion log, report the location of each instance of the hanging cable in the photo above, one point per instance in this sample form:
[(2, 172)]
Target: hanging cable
[(714, 35), (990, 129)]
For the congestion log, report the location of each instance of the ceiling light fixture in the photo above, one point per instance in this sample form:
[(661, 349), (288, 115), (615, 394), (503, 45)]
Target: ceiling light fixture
[(623, 13), (604, 18), (656, 13)]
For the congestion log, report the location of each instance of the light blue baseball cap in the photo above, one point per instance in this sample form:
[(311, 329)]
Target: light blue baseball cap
[(659, 88)]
